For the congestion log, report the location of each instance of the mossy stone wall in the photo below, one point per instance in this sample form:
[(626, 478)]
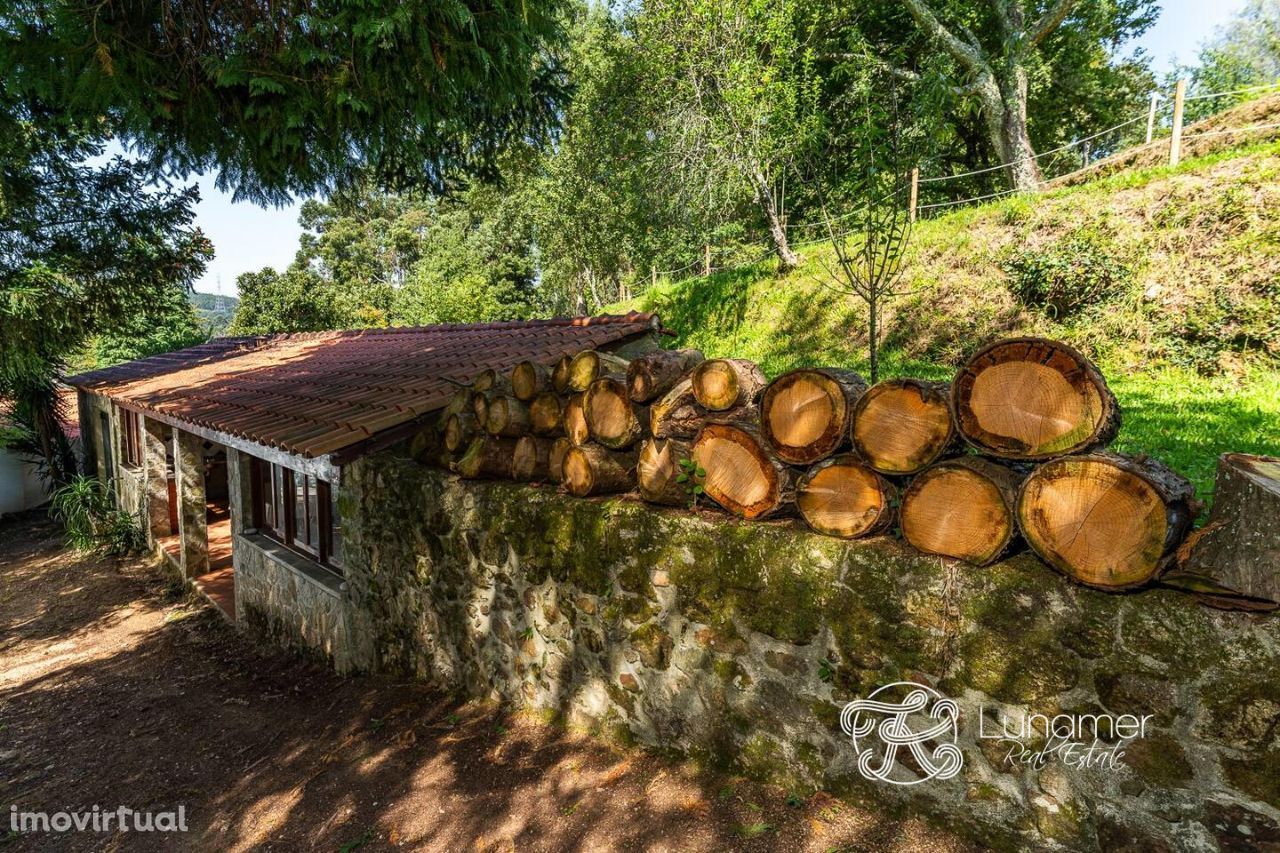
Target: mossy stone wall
[(739, 643)]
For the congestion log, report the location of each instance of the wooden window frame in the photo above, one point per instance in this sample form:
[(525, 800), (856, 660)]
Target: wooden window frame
[(131, 439), (262, 484)]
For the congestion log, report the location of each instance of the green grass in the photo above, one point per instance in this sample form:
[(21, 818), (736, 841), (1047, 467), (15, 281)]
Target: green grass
[(1191, 346)]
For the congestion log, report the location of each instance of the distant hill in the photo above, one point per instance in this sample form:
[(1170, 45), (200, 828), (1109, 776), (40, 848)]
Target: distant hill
[(214, 310)]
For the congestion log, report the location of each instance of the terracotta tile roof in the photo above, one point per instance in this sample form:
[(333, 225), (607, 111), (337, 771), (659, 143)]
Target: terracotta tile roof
[(315, 393)]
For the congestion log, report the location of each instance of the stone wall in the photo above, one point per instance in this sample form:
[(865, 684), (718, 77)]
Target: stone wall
[(739, 644)]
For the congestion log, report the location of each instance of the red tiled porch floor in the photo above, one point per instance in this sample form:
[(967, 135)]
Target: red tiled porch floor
[(219, 582)]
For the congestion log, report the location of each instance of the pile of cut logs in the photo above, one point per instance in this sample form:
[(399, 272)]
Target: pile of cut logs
[(1008, 452)]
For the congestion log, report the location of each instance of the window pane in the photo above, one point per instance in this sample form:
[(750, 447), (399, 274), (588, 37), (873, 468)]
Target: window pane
[(277, 500), (266, 477), (335, 528), (313, 516), (299, 510)]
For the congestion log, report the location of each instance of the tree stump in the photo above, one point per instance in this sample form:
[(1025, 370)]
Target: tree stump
[(546, 414), (555, 459), (612, 419), (962, 508), (507, 417), (655, 373), (487, 457), (805, 414), (595, 470), (459, 430), (742, 476), (1031, 398), (722, 383), (575, 421), (901, 426), (1234, 560), (530, 462), (842, 496), (528, 380), (658, 469), (1106, 520), (589, 365)]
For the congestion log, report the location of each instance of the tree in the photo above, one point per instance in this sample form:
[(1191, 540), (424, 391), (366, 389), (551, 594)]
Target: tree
[(296, 97), (169, 323), (1243, 54), (297, 300)]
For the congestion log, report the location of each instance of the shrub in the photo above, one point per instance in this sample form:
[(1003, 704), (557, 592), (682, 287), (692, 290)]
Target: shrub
[(92, 521), (1074, 273)]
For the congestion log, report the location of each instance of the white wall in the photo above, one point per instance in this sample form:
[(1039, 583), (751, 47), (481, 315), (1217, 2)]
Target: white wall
[(20, 487)]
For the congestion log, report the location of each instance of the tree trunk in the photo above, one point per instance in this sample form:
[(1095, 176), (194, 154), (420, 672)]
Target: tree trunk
[(722, 383), (612, 419), (589, 365), (487, 457), (787, 258), (1234, 560), (962, 508), (594, 470), (1031, 398), (901, 426), (805, 414), (546, 414), (1106, 520), (742, 476), (844, 497), (459, 429), (655, 373), (508, 417), (658, 470), (531, 460), (1004, 112), (528, 380), (575, 421)]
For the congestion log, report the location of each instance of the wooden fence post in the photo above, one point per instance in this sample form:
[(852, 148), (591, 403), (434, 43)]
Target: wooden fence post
[(653, 277), (706, 259), (915, 191), (1151, 115), (1175, 143)]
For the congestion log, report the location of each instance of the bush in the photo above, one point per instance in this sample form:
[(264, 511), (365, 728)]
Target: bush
[(1064, 278), (92, 521)]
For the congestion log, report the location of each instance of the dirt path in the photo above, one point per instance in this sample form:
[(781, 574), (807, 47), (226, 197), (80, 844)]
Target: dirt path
[(118, 689)]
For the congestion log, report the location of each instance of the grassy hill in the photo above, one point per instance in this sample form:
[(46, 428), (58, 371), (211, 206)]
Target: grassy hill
[(1169, 278), (214, 310)]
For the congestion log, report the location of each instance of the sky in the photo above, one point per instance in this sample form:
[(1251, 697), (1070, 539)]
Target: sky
[(247, 237)]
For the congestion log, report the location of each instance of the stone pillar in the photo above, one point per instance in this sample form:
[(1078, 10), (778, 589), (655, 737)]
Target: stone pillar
[(154, 451), (188, 459), (239, 492)]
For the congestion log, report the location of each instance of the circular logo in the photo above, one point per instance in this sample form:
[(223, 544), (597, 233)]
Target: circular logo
[(901, 719)]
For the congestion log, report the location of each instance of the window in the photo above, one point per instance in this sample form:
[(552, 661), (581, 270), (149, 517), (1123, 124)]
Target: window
[(131, 438), (299, 510)]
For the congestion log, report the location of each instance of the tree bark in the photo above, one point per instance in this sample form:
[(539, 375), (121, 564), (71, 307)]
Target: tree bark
[(595, 470), (555, 459), (787, 258), (487, 457), (655, 373)]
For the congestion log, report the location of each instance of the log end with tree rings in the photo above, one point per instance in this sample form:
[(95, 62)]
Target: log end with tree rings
[(528, 380), (722, 383), (555, 459), (900, 426), (843, 497), (546, 414), (459, 429), (741, 475), (658, 470), (530, 460), (804, 414), (575, 421), (1031, 398), (480, 408), (485, 380), (1106, 520), (594, 470), (961, 508), (612, 419), (560, 375), (507, 417), (487, 457), (589, 365)]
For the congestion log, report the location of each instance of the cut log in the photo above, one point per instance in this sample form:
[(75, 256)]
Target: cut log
[(1234, 562), (722, 383), (589, 365), (459, 401), (655, 373), (742, 476), (1106, 520), (546, 414), (575, 421), (612, 419), (658, 470), (595, 470), (491, 380), (487, 457), (805, 414), (531, 459), (528, 380), (842, 496), (480, 405), (428, 448), (560, 375), (1031, 398), (902, 426), (555, 460), (677, 414), (507, 417), (459, 429), (962, 508)]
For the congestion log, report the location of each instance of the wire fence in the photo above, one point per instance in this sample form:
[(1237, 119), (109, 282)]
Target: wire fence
[(1160, 125)]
